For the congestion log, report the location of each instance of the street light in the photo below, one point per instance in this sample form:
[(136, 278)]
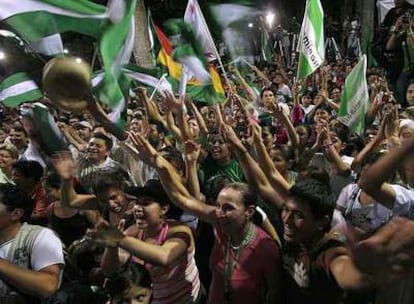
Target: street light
[(250, 24), (2, 55), (270, 17)]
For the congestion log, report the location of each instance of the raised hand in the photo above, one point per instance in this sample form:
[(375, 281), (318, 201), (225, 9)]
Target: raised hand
[(256, 131), (141, 93), (230, 135), (172, 103), (388, 254), (191, 151), (64, 165), (278, 112), (147, 153), (107, 235)]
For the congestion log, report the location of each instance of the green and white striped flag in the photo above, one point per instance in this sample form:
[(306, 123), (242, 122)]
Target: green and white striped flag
[(355, 98), (311, 46), (18, 88), (40, 21)]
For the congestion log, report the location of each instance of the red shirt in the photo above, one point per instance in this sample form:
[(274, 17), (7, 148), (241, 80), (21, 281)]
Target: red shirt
[(248, 284), (40, 208)]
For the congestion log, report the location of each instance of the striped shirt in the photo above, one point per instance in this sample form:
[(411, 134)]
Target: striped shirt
[(178, 283), (89, 174)]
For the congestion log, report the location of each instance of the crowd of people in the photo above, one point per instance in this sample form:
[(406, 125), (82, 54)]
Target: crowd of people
[(264, 198)]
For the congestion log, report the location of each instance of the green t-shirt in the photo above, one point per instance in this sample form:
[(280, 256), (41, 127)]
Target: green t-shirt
[(210, 171)]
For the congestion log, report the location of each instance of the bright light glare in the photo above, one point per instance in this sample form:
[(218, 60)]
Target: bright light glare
[(2, 55), (250, 25), (270, 17), (65, 51), (78, 60)]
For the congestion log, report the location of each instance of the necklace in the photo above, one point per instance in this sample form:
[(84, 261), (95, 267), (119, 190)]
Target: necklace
[(231, 260)]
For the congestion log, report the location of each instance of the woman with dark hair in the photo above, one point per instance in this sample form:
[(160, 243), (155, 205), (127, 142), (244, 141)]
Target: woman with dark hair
[(164, 247), (131, 287), (245, 261), (283, 158), (70, 224)]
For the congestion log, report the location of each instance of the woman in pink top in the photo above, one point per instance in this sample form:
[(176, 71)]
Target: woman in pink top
[(165, 248), (245, 261)]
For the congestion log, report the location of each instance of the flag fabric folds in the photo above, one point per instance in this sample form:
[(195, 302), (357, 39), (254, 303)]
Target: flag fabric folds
[(355, 98), (166, 57), (18, 88), (186, 50), (311, 46), (194, 16), (40, 22), (266, 48)]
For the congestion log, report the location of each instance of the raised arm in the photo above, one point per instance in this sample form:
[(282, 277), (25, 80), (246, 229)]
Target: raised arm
[(265, 162), (328, 101), (171, 181), (285, 120), (191, 156), (260, 74), (243, 84), (177, 243), (254, 175), (72, 137), (172, 126), (373, 180), (333, 156), (200, 120), (371, 146), (150, 107), (65, 168)]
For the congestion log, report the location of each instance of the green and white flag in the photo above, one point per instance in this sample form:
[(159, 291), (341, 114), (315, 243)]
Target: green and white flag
[(39, 22), (266, 52), (355, 98), (311, 46), (18, 88), (186, 49), (149, 77), (194, 16)]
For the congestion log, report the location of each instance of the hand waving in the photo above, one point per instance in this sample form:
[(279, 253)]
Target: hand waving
[(388, 254), (191, 151), (106, 235), (147, 153), (172, 103)]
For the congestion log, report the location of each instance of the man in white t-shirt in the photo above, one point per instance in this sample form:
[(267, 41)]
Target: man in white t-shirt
[(399, 200), (31, 257)]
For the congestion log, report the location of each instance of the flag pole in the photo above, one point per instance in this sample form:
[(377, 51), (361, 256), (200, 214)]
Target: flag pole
[(157, 86), (216, 54)]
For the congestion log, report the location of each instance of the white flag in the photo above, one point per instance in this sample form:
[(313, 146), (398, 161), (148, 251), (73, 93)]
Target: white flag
[(311, 46), (355, 98), (194, 16)]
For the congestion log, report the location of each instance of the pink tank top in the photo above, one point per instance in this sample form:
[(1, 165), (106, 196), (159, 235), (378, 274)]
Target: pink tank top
[(178, 283)]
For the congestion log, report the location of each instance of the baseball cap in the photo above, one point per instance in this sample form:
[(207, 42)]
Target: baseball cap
[(152, 189)]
